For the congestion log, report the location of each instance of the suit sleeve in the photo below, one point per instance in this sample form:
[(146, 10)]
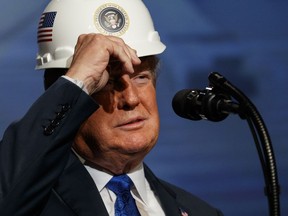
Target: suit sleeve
[(35, 150)]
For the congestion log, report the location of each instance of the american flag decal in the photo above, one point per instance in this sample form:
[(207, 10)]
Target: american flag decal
[(45, 28)]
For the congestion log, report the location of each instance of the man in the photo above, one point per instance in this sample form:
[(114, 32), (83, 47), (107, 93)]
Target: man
[(96, 121)]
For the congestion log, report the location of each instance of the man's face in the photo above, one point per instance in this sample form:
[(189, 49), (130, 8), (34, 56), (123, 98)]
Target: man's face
[(127, 121)]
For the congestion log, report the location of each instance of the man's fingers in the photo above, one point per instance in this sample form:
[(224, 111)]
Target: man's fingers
[(93, 52), (124, 54)]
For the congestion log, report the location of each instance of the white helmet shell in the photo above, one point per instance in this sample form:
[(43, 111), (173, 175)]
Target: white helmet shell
[(64, 20)]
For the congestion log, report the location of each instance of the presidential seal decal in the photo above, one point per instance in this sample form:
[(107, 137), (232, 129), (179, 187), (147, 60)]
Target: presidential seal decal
[(111, 19)]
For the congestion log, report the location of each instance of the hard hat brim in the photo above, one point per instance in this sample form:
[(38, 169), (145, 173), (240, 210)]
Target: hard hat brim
[(142, 49)]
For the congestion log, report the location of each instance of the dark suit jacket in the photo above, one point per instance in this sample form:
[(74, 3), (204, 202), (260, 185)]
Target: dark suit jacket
[(39, 174)]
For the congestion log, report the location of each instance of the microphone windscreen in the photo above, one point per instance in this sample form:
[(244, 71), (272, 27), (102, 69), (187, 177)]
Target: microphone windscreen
[(179, 103)]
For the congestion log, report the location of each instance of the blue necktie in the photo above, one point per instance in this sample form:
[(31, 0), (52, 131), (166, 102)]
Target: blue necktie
[(125, 204)]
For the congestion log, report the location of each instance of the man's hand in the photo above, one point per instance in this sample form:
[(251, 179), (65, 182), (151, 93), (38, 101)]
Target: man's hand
[(92, 55)]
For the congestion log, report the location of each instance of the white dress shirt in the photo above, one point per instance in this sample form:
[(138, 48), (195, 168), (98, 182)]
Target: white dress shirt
[(146, 201)]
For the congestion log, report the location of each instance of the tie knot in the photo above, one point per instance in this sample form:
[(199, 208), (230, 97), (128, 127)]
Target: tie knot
[(120, 184), (125, 204)]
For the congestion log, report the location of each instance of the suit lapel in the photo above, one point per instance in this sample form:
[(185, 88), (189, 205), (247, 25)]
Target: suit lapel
[(167, 197), (78, 190)]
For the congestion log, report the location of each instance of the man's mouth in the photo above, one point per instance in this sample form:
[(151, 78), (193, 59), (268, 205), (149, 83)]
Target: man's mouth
[(132, 123)]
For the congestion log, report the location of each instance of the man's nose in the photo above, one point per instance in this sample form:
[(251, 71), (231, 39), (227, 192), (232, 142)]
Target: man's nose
[(127, 97)]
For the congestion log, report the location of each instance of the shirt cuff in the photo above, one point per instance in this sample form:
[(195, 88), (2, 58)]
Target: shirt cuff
[(79, 83)]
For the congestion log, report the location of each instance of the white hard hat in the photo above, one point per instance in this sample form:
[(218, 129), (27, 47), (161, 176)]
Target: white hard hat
[(64, 20)]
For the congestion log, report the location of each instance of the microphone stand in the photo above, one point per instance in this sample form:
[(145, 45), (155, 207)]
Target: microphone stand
[(248, 111)]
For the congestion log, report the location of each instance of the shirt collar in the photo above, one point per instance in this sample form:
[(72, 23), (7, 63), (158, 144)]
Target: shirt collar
[(136, 175), (101, 178)]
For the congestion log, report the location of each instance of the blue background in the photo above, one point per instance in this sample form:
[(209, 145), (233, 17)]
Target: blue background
[(246, 41)]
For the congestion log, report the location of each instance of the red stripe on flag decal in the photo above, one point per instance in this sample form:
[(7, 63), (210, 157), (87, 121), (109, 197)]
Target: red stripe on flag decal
[(44, 40)]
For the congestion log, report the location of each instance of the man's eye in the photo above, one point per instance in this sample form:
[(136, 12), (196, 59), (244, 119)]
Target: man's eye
[(142, 78)]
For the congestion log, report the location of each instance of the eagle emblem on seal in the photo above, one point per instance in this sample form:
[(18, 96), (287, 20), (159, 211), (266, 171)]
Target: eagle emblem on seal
[(111, 19)]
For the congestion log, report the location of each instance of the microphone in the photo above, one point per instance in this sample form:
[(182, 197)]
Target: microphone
[(195, 104)]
